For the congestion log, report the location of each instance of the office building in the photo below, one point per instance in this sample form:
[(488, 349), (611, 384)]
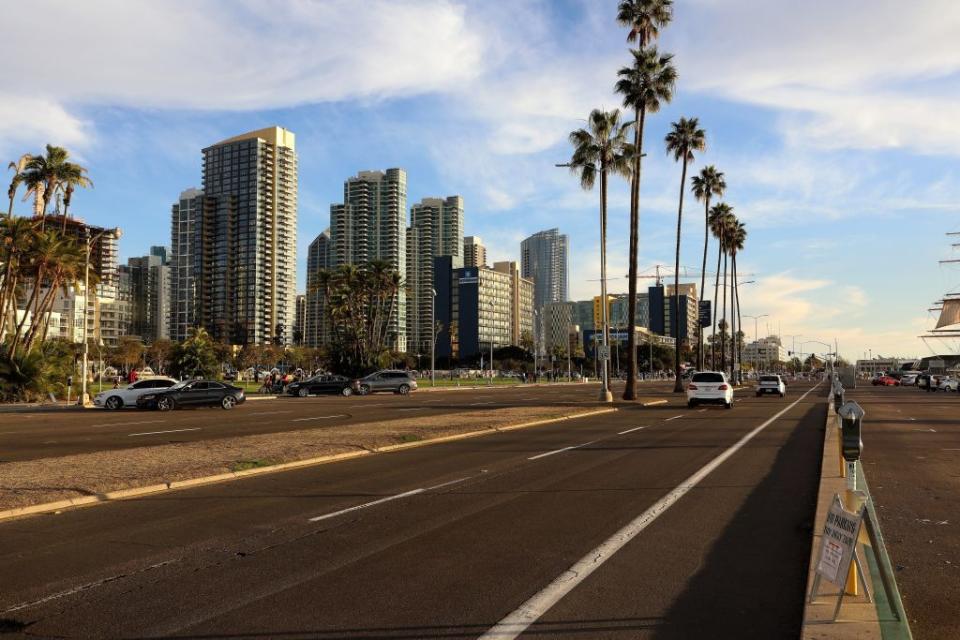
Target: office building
[(316, 330), (764, 353), (521, 303), (234, 246), (543, 257), (620, 311), (474, 252), (300, 320), (436, 229), (663, 309), (186, 217), (371, 225), (558, 324), (149, 285)]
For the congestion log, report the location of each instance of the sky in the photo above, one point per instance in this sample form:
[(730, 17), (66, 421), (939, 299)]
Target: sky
[(834, 124)]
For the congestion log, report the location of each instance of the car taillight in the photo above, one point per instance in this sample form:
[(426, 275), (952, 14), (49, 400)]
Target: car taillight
[(723, 387), (692, 387)]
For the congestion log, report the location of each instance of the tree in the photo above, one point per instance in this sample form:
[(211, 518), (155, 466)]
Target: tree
[(684, 139), (645, 85), (195, 357), (158, 354), (645, 18), (44, 175), (720, 216), (738, 236), (129, 352), (601, 149), (710, 183), (18, 168)]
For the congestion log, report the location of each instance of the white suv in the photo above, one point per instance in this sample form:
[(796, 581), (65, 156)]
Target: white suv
[(770, 383), (709, 387)]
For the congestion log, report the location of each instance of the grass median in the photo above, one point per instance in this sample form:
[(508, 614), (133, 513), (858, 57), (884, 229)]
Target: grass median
[(33, 482)]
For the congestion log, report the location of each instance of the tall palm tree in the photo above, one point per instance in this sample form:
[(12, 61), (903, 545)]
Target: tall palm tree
[(45, 175), (18, 168), (601, 149), (645, 85), (719, 215), (645, 18), (684, 139), (738, 236), (708, 184)]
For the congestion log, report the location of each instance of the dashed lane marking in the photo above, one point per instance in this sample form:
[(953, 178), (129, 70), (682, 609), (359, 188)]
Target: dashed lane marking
[(321, 418), (555, 451), (154, 433), (632, 430)]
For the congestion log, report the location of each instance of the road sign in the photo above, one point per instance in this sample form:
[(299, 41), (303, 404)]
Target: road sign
[(705, 313), (839, 542), (603, 352)]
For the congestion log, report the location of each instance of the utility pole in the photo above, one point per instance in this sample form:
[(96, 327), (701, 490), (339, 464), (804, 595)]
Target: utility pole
[(433, 337)]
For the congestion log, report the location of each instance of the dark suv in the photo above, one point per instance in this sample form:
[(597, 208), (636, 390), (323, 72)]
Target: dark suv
[(394, 381)]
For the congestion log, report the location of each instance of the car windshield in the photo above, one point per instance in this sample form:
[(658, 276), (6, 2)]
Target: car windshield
[(708, 377), (769, 379), (181, 385)]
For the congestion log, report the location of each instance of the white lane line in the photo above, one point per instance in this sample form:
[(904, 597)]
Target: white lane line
[(632, 430), (124, 424), (474, 404), (320, 418), (268, 413), (410, 409), (447, 484), (673, 418), (555, 451), (533, 609), (701, 411), (923, 430), (366, 505), (153, 433)]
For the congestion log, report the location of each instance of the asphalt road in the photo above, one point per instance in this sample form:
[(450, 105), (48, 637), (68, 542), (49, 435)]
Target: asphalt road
[(446, 541), (911, 458), (46, 434)]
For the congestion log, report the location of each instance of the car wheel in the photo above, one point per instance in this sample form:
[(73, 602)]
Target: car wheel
[(759, 394), (228, 402), (364, 389), (728, 405), (404, 390), (346, 392), (303, 392), (783, 395), (113, 403), (165, 404), (691, 404)]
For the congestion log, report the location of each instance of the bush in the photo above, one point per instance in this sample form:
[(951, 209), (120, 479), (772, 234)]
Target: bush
[(31, 376)]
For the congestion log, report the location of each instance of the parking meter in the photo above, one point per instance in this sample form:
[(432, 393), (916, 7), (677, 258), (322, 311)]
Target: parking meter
[(837, 397), (851, 420)]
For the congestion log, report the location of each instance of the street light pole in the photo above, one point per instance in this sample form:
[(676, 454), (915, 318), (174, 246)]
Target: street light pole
[(756, 340), (82, 400), (490, 304), (433, 336)]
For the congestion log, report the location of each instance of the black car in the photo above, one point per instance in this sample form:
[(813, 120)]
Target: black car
[(193, 393), (321, 385)]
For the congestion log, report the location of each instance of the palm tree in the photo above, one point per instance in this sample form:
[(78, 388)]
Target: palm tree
[(684, 138), (645, 85), (601, 148), (708, 184), (738, 236), (717, 221), (18, 168), (645, 18), (46, 174)]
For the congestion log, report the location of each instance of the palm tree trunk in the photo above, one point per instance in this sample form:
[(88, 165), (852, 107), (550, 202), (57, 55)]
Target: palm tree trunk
[(733, 316), (703, 279), (630, 390), (675, 317), (726, 325), (604, 307), (716, 307), (736, 291)]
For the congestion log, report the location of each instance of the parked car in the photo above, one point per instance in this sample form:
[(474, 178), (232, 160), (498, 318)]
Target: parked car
[(318, 385), (193, 393), (771, 384), (127, 396), (885, 381), (394, 381), (709, 387), (908, 380), (948, 384)]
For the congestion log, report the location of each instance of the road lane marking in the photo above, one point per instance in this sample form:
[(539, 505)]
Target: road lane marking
[(320, 418), (632, 430), (550, 453), (447, 484), (268, 413), (673, 418), (153, 433), (701, 411), (124, 424), (410, 409), (474, 404), (926, 430), (515, 623), (367, 505)]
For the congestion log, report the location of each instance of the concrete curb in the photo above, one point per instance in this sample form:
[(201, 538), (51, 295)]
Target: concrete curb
[(120, 494), (858, 619)]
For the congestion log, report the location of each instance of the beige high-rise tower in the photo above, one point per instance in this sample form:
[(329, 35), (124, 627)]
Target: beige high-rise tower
[(246, 258)]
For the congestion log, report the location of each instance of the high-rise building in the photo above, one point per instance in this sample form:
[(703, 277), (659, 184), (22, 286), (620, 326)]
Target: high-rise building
[(234, 247), (316, 331), (371, 225), (436, 229), (474, 252), (150, 295), (521, 303), (543, 257), (663, 309), (557, 325), (301, 319), (185, 244)]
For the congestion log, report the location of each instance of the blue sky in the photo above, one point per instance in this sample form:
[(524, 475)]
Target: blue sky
[(838, 138)]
